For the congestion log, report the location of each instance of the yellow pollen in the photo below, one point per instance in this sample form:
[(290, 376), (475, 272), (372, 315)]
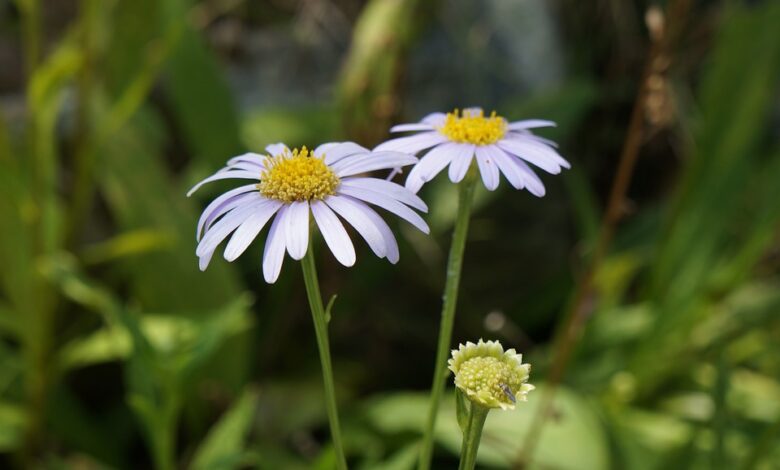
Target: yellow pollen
[(488, 376), (297, 176), (473, 127)]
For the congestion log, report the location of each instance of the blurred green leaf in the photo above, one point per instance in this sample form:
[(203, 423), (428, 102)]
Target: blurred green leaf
[(504, 432), (724, 166), (367, 87), (127, 244), (12, 426), (202, 102), (223, 448), (140, 194), (293, 126)]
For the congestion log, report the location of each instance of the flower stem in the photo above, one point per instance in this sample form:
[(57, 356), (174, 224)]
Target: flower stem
[(471, 436), (465, 196), (321, 330)]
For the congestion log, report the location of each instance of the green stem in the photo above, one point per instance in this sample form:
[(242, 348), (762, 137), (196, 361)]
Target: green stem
[(465, 196), (472, 436), (321, 329)]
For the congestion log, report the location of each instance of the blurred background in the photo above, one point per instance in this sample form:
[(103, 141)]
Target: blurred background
[(643, 288)]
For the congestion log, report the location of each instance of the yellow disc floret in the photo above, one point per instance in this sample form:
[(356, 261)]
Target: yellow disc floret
[(297, 176), (490, 376), (472, 127)]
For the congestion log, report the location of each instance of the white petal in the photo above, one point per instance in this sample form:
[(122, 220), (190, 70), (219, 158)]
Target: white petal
[(530, 124), (297, 229), (273, 254), (528, 152), (253, 158), (391, 245), (222, 229), (277, 149), (248, 166), (353, 212), (239, 201), (365, 162), (487, 168), (517, 172), (532, 181), (412, 127), (323, 148), (335, 151), (220, 205), (435, 119), (543, 148), (394, 190), (474, 111), (413, 143), (241, 174), (506, 166), (333, 232), (431, 164), (460, 164), (204, 260), (249, 229), (534, 137), (387, 203)]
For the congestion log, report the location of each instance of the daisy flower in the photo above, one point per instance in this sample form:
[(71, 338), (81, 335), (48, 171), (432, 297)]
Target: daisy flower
[(498, 146), (490, 376), (290, 187)]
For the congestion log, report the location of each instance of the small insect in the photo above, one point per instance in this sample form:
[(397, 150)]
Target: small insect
[(508, 392)]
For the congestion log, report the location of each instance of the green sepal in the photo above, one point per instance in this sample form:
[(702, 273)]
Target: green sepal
[(462, 410)]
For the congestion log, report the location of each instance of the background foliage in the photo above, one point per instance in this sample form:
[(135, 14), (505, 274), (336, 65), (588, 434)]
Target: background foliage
[(116, 352)]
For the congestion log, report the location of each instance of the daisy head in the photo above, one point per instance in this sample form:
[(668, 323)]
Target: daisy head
[(490, 376), (293, 186), (498, 146)]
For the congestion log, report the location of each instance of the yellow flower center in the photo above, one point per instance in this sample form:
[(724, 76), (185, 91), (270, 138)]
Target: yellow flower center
[(489, 379), (297, 176), (473, 127)]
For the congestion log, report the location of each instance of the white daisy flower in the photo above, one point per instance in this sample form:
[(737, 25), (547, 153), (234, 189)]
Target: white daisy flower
[(291, 185), (455, 139)]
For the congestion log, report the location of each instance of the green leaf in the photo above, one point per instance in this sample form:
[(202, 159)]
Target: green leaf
[(202, 102), (12, 426), (224, 446), (132, 243), (505, 431)]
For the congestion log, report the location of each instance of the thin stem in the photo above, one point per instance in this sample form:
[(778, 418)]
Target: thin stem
[(465, 196), (472, 436), (321, 330)]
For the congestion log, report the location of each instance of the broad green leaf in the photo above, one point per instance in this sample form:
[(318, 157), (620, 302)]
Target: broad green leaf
[(224, 446), (505, 432)]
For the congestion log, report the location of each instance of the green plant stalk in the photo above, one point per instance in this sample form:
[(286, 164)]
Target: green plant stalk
[(321, 330), (472, 436), (454, 264)]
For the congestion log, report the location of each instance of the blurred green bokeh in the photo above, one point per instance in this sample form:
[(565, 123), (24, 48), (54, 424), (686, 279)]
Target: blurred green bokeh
[(117, 352)]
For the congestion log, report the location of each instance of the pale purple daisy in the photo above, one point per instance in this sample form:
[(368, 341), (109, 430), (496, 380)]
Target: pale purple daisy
[(292, 186), (455, 139)]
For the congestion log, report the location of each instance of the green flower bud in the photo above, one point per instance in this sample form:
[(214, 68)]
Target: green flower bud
[(490, 376)]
